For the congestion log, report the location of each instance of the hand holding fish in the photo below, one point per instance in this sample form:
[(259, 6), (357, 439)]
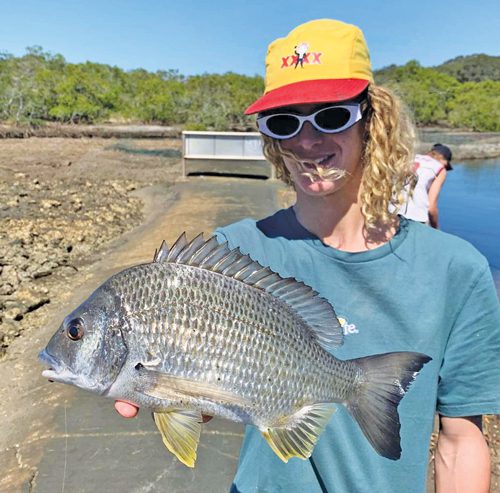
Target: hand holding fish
[(126, 409)]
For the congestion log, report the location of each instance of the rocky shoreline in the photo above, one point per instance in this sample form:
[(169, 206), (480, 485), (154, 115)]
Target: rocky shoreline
[(52, 227), (465, 144), (61, 202), (99, 131)]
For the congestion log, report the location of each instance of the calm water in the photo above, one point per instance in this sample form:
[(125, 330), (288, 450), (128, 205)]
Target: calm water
[(469, 206)]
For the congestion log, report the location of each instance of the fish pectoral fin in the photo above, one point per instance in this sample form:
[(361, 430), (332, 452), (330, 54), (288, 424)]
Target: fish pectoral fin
[(163, 386), (297, 435), (180, 430)]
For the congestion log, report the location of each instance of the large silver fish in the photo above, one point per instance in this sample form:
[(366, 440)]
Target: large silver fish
[(203, 329)]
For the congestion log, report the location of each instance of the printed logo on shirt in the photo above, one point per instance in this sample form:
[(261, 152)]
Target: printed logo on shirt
[(347, 327)]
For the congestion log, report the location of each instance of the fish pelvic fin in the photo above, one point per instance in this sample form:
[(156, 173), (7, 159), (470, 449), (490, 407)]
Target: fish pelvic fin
[(180, 431), (297, 435), (384, 380)]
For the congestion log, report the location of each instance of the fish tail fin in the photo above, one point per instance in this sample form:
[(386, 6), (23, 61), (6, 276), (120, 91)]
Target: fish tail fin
[(384, 380)]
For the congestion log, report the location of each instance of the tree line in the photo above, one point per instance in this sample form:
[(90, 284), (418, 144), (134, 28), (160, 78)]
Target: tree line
[(41, 87), (461, 93)]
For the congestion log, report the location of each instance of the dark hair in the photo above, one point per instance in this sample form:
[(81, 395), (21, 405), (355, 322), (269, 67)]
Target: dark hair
[(445, 152)]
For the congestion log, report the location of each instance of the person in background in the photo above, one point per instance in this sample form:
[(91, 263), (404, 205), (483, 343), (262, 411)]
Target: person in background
[(346, 146), (430, 169)]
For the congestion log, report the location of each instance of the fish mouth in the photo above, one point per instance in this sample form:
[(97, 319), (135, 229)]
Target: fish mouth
[(59, 372), (55, 371)]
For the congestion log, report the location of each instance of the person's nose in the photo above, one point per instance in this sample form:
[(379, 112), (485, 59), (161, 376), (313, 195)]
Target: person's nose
[(308, 136)]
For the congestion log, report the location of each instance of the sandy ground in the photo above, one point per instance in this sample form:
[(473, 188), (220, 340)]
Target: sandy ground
[(62, 201)]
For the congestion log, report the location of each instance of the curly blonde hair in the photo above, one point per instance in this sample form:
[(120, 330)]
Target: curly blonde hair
[(388, 155)]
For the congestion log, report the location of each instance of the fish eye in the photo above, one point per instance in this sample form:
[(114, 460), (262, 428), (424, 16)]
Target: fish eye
[(75, 329)]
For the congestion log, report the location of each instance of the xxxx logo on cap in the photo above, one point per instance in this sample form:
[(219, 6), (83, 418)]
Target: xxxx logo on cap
[(301, 55), (319, 61)]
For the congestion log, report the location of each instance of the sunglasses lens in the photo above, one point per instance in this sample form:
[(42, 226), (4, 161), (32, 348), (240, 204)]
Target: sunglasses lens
[(283, 125), (333, 118)]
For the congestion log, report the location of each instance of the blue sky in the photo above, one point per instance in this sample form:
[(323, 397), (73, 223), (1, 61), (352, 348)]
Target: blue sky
[(195, 36)]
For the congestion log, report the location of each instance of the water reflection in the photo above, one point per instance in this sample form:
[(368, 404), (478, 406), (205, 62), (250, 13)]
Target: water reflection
[(129, 148), (469, 207)]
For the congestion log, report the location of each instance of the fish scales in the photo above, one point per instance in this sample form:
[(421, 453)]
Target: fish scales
[(267, 350), (205, 329)]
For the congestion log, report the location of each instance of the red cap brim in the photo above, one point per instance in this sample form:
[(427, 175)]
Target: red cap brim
[(309, 91)]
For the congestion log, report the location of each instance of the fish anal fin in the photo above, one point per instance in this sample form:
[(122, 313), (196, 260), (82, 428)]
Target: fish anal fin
[(180, 431), (297, 435)]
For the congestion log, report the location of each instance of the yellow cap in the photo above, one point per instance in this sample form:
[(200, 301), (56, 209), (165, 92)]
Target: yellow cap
[(320, 61)]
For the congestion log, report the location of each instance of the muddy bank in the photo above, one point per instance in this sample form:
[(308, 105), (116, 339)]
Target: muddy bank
[(99, 131), (61, 202), (465, 144)]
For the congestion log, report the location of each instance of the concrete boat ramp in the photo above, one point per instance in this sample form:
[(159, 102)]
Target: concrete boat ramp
[(56, 438)]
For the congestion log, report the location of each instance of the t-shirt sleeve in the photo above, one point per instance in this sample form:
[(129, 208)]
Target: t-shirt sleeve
[(241, 234), (222, 237), (469, 379)]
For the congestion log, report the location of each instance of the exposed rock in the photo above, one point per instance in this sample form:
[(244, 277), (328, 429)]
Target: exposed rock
[(9, 280), (48, 203), (13, 312), (56, 209)]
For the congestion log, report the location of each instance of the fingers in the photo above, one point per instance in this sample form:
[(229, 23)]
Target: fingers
[(126, 410)]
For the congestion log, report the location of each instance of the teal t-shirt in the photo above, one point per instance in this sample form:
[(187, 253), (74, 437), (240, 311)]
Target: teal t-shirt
[(424, 291)]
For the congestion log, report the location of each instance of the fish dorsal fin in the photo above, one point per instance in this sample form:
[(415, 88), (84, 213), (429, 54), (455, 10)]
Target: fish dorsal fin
[(161, 254), (218, 257), (297, 436), (177, 248), (180, 431)]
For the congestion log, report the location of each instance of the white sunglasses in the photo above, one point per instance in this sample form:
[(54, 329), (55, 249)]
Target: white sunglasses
[(330, 120)]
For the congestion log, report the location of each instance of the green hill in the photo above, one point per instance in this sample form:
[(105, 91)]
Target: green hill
[(461, 93), (472, 68)]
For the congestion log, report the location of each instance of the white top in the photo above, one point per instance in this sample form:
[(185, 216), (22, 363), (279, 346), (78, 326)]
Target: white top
[(417, 207)]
